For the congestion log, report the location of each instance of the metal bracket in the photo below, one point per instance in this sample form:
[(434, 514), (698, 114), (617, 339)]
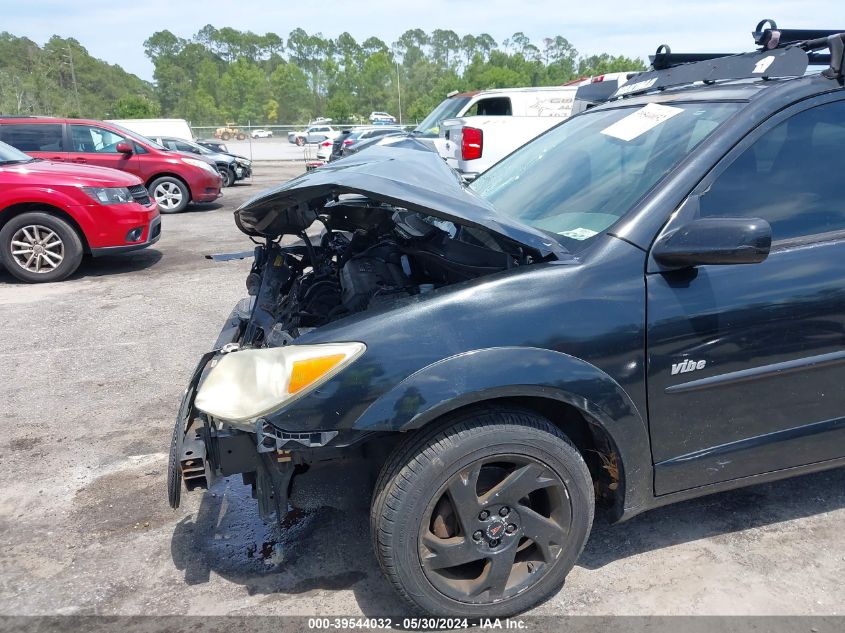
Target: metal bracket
[(269, 439), (193, 464), (271, 488)]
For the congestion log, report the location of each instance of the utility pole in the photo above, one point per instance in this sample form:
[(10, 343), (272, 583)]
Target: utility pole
[(73, 79), (399, 91)]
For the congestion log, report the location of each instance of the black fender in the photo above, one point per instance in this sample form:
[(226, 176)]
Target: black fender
[(501, 372)]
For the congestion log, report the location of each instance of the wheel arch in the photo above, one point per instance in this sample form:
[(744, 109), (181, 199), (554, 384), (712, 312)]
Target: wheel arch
[(14, 210), (591, 408)]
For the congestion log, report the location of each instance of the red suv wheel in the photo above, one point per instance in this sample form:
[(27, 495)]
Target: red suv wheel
[(40, 247)]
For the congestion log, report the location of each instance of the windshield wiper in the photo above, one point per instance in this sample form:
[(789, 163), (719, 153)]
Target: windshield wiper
[(19, 161)]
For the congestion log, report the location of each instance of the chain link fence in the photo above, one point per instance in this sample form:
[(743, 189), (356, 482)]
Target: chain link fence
[(254, 142)]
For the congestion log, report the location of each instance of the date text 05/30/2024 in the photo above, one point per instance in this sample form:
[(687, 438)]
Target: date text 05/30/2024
[(410, 624)]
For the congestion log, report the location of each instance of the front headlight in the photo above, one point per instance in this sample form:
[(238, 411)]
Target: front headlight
[(243, 163), (109, 195), (201, 164), (245, 385)]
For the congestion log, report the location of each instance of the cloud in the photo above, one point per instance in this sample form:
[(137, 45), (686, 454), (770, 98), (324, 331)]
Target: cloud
[(115, 32)]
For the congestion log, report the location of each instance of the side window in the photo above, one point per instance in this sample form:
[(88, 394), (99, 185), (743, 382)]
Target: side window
[(790, 177), (33, 137), (87, 138), (496, 106), (184, 147)]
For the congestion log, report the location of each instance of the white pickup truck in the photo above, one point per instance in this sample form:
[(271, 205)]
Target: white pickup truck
[(476, 140), (552, 101)]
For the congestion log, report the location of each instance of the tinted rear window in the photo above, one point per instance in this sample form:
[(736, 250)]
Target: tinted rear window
[(33, 137)]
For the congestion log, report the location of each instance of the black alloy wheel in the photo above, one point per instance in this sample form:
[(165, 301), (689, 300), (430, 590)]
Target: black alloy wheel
[(483, 514), (495, 528)]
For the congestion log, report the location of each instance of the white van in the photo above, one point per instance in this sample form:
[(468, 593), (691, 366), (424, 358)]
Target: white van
[(175, 128)]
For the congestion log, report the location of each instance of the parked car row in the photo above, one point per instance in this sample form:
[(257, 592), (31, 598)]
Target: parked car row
[(319, 131), (71, 187), (472, 130), (173, 179), (175, 134), (349, 141), (231, 166)]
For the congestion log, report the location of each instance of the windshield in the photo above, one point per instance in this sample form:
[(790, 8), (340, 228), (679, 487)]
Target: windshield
[(448, 108), (582, 176), (137, 137), (9, 154)]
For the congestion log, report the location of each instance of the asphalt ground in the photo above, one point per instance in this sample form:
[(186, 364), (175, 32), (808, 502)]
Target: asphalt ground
[(92, 373)]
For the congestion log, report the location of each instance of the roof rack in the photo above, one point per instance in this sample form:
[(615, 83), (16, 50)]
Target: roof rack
[(783, 53)]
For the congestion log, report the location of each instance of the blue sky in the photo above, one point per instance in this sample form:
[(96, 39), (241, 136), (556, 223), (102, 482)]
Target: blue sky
[(115, 31)]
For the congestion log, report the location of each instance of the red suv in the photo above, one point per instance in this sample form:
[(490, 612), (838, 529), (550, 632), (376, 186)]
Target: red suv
[(173, 179), (53, 213)]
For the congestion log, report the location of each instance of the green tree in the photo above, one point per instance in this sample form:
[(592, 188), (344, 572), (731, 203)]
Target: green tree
[(136, 107), (411, 46), (243, 92), (289, 88), (445, 45), (606, 63), (241, 75)]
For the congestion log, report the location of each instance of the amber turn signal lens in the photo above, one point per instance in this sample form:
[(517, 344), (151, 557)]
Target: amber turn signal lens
[(310, 370)]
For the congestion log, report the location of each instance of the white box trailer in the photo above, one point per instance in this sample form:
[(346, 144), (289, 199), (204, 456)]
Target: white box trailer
[(177, 128)]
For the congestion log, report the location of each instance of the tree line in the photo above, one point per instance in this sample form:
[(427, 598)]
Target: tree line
[(62, 79), (228, 75), (240, 76)]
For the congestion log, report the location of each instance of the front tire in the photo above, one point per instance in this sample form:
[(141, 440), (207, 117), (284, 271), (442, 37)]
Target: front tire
[(228, 177), (39, 247), (483, 515), (171, 194)]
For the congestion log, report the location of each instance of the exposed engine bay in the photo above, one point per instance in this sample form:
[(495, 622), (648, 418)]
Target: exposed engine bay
[(369, 253)]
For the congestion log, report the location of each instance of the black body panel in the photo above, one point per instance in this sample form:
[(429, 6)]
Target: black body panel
[(703, 378)]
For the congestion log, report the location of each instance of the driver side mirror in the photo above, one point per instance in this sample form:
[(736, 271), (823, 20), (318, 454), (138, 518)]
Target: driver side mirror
[(125, 147), (714, 241)]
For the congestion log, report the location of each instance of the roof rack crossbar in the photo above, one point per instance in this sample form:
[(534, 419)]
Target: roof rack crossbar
[(662, 60), (779, 63), (783, 53), (773, 37), (818, 60), (808, 40)]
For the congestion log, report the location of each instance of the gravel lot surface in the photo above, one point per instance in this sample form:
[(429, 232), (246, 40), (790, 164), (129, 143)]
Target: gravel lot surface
[(93, 369)]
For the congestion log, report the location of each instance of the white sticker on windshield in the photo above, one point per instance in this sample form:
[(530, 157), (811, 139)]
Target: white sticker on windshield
[(641, 121), (578, 234)]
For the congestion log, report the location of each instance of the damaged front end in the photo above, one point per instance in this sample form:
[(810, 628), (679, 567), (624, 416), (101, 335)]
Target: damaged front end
[(394, 223)]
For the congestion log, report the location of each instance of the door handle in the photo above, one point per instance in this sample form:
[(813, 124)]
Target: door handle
[(56, 158), (79, 160)]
